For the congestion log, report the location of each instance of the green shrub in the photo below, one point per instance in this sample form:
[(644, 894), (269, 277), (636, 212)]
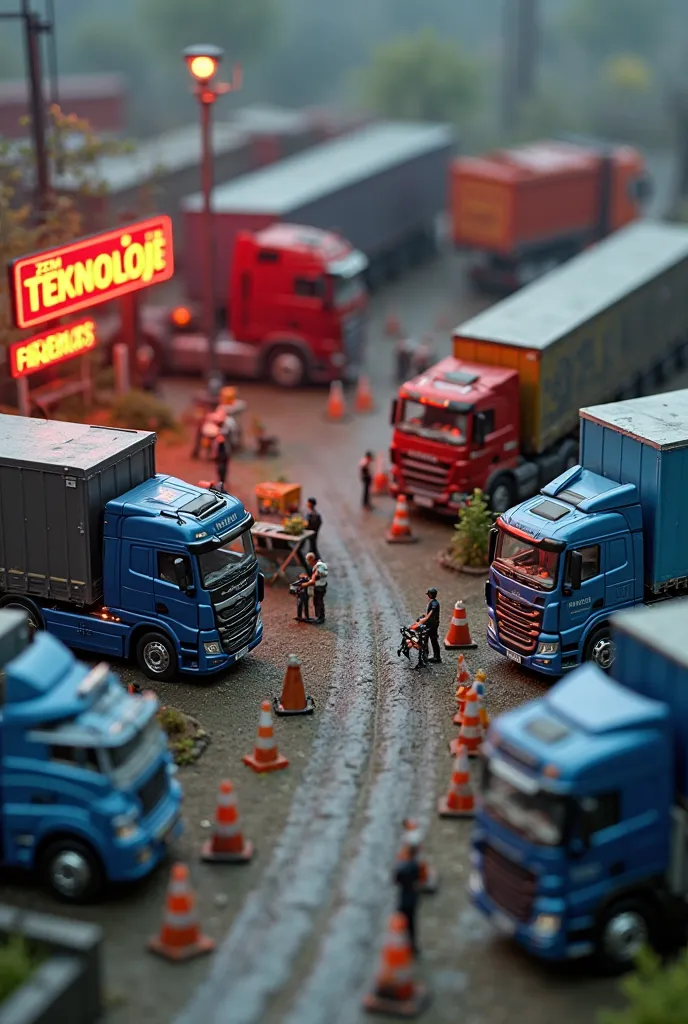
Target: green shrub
[(656, 994), (294, 524), (139, 410), (17, 962), (470, 543), (172, 721)]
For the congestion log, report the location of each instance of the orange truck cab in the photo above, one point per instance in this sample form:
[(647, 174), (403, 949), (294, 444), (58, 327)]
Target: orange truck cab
[(520, 212)]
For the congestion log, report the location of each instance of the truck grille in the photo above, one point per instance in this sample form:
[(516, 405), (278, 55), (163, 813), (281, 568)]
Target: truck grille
[(510, 886), (237, 625), (519, 625), (430, 477), (152, 792)]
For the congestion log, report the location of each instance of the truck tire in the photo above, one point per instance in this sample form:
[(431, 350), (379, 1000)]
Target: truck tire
[(502, 493), (623, 930), (71, 871), (31, 609), (156, 656), (287, 367), (599, 648)]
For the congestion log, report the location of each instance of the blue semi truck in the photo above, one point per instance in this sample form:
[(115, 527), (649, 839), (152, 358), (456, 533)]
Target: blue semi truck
[(581, 839), (605, 535), (113, 558), (87, 787)]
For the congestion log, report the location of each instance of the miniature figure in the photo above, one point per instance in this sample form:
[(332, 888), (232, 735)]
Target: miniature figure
[(300, 589), (431, 619), (403, 351), (407, 877), (366, 466), (221, 455), (314, 520), (318, 581)]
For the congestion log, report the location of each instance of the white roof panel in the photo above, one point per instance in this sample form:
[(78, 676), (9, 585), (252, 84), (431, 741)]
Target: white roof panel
[(658, 420), (662, 628), (334, 165), (569, 297)]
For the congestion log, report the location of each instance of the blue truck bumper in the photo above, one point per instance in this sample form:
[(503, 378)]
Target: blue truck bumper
[(136, 858), (211, 664), (546, 947), (546, 665)]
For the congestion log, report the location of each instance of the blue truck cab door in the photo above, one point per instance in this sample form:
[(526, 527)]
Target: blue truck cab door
[(175, 605), (598, 847), (620, 574), (579, 604)]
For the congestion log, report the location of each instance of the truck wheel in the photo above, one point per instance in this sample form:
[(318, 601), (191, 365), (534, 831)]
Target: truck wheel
[(599, 648), (287, 368), (30, 609), (71, 871), (156, 657), (624, 930), (502, 494)]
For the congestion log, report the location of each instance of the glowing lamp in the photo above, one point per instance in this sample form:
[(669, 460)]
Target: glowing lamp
[(181, 317), (203, 62)]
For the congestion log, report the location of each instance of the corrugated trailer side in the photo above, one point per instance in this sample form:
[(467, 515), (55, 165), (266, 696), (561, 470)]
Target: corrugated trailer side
[(226, 226), (652, 659), (645, 442), (53, 492), (555, 206), (481, 206)]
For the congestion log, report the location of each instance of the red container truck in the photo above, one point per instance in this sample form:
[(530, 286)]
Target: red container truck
[(501, 414), (520, 212)]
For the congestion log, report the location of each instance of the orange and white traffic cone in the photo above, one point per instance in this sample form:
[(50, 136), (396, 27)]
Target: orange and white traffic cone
[(396, 992), (400, 530), (364, 396), (428, 881), (458, 634), (482, 707), (293, 700), (180, 937), (463, 677), (227, 844), (463, 685), (265, 756), (470, 733), (380, 479), (392, 326), (460, 800), (336, 406)]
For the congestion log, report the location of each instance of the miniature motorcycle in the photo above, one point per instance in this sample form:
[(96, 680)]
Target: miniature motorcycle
[(414, 638)]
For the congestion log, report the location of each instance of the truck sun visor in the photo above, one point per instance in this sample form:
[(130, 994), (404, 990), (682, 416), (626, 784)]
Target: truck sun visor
[(572, 497), (550, 510), (547, 730), (460, 377)]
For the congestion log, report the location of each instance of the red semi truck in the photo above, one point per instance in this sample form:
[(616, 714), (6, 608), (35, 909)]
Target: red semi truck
[(520, 212), (501, 414)]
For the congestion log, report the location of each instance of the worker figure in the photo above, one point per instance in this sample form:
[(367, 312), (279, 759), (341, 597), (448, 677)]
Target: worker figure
[(314, 520), (147, 368), (407, 877), (431, 619), (366, 468), (303, 598), (221, 453), (318, 581), (403, 351)]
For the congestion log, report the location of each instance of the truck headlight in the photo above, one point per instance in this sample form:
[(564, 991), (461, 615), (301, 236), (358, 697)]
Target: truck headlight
[(212, 648), (491, 627), (125, 826), (548, 648), (546, 925), (456, 497), (259, 621), (475, 882)]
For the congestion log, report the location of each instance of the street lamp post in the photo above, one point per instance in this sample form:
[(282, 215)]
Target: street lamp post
[(203, 62)]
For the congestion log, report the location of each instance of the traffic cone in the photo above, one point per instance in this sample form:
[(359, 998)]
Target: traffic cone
[(458, 634), (265, 756), (380, 479), (392, 326), (482, 707), (364, 396), (471, 733), (460, 800), (463, 677), (396, 993), (180, 937), (428, 881), (336, 406), (400, 530), (293, 700), (227, 844)]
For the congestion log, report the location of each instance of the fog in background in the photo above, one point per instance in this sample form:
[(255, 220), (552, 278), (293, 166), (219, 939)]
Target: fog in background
[(611, 67)]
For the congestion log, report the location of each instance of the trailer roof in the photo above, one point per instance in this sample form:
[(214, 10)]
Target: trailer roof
[(662, 628), (569, 297), (658, 420), (327, 168), (72, 447)]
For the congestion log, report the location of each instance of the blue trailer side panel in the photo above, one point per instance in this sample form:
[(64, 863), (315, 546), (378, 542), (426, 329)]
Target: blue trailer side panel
[(661, 477)]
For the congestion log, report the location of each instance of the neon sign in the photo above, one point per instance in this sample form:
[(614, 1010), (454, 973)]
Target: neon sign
[(48, 349)]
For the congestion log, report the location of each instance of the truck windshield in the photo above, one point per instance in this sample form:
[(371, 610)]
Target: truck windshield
[(120, 755), (519, 558), (433, 421), (540, 817), (216, 564), (346, 290)]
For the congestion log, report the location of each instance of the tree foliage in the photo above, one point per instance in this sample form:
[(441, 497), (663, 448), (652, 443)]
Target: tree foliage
[(421, 77), (628, 75), (655, 994), (470, 543), (604, 27), (243, 28)]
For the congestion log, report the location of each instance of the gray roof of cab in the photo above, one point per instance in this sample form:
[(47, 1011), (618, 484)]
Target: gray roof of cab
[(567, 298), (658, 420), (662, 628), (70, 447), (326, 168)]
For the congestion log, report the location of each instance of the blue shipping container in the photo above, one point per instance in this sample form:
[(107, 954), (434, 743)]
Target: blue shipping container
[(644, 441), (652, 659)]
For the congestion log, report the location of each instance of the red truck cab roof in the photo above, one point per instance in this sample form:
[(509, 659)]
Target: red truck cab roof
[(326, 246), (457, 383)]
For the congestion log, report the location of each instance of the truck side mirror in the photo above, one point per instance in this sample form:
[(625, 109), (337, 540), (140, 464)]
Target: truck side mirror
[(575, 570), (492, 547), (479, 428), (183, 581), (393, 412)]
